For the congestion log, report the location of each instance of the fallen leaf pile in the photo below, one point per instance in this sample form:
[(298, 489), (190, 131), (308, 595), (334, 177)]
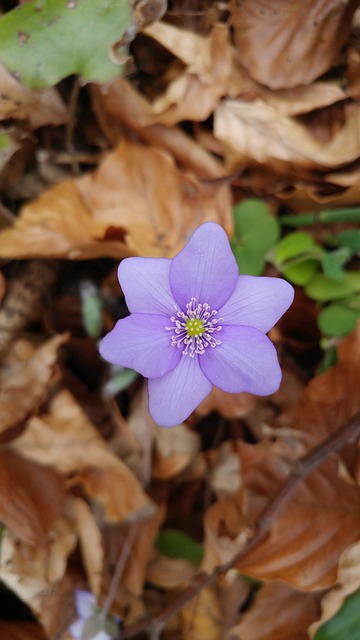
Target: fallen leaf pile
[(191, 108)]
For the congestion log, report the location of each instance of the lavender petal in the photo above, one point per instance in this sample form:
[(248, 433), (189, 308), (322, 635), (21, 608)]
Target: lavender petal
[(145, 283)]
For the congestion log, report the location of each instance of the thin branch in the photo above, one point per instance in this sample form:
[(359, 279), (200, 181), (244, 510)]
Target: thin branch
[(349, 432)]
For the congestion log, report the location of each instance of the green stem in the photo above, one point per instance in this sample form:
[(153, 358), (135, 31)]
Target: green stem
[(329, 216)]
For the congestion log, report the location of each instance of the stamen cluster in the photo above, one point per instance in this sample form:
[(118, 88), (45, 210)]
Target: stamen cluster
[(193, 330)]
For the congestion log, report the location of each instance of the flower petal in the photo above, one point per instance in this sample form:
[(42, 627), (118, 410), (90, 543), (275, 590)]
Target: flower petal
[(85, 603), (205, 269), (141, 342), (145, 283), (174, 396), (245, 360), (257, 302)]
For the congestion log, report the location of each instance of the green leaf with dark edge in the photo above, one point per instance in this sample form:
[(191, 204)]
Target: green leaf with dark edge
[(175, 544), (351, 240), (337, 320), (323, 289), (300, 272), (294, 244), (256, 231), (345, 625), (44, 41)]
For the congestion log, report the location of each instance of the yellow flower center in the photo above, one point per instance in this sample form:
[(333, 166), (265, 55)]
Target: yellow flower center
[(194, 327)]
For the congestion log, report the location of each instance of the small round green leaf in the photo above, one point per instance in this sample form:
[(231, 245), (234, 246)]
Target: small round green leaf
[(350, 239), (324, 290), (176, 544), (256, 231), (337, 320), (294, 244), (301, 272)]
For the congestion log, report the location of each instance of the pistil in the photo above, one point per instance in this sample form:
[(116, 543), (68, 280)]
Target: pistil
[(193, 331)]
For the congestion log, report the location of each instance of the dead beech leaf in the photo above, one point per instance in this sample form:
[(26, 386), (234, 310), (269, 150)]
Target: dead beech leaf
[(30, 571), (31, 498), (229, 405), (21, 631), (278, 613), (194, 93), (91, 545), (202, 617), (284, 44), (38, 106), (348, 581), (175, 449), (25, 385), (170, 573), (136, 202), (307, 538), (331, 398), (66, 440), (256, 133)]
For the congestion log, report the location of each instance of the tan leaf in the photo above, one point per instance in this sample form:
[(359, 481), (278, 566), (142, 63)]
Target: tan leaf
[(66, 440), (278, 613), (31, 498), (175, 449), (136, 202), (285, 44), (25, 383), (256, 133), (193, 94), (307, 538), (38, 106), (170, 573), (91, 545), (201, 618), (229, 405)]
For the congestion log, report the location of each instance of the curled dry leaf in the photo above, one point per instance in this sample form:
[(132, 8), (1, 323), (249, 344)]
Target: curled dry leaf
[(194, 93), (31, 498), (307, 538), (256, 133), (21, 631), (136, 202), (202, 617), (170, 573), (175, 450), (66, 440), (91, 545), (25, 384), (285, 44), (229, 405), (38, 106), (278, 613)]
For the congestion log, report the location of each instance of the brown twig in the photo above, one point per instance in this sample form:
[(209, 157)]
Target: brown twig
[(349, 432)]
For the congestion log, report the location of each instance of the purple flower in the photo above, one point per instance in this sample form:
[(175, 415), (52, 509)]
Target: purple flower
[(195, 323), (93, 623)]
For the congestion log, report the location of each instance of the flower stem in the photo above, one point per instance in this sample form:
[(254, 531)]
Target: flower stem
[(329, 216), (120, 565)]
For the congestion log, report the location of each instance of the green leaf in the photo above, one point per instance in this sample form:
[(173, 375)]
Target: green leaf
[(345, 625), (324, 290), (91, 309), (176, 544), (43, 41), (256, 231), (7, 148), (300, 272), (294, 244), (332, 262), (121, 378), (337, 320), (351, 240)]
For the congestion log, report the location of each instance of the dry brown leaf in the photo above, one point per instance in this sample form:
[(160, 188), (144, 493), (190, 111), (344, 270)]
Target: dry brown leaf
[(21, 631), (348, 581), (256, 133), (194, 93), (285, 44), (175, 449), (169, 573), (202, 617), (91, 545), (31, 498), (229, 405), (136, 202), (38, 106), (25, 383), (66, 440), (307, 538), (278, 613), (31, 571)]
